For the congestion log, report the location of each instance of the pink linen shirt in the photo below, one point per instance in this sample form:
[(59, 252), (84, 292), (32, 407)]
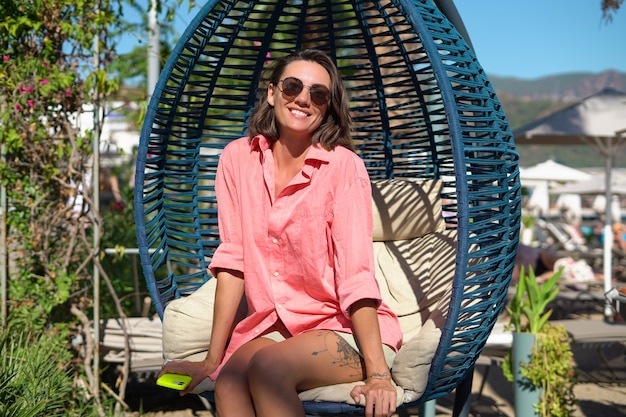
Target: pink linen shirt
[(307, 255)]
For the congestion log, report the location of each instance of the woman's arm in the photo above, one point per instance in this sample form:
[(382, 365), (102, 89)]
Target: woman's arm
[(378, 390), (228, 295), (367, 332)]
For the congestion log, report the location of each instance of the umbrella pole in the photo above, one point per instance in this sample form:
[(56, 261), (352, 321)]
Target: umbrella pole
[(608, 235)]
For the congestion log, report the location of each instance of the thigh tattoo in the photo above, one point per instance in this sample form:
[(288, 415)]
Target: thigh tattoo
[(345, 355)]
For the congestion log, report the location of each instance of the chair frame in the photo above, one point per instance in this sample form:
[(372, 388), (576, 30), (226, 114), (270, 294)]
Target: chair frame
[(423, 109)]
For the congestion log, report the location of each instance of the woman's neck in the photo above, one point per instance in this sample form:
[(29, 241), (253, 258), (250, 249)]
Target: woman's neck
[(288, 161)]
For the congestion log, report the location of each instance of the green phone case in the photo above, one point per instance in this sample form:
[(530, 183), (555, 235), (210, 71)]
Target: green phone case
[(174, 381)]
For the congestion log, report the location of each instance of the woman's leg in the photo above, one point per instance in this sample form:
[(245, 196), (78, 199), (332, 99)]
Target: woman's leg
[(313, 359), (232, 394)]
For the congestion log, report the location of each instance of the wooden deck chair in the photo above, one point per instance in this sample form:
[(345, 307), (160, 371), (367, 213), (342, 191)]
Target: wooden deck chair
[(424, 109)]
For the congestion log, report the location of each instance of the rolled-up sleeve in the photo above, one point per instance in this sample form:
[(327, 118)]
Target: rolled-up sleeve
[(229, 254), (352, 237)]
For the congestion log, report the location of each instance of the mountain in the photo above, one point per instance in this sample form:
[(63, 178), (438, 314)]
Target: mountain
[(568, 86), (526, 100)]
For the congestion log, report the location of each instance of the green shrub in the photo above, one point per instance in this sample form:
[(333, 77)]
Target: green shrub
[(36, 377)]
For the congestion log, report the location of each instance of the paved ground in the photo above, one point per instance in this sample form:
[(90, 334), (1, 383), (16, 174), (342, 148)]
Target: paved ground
[(601, 391)]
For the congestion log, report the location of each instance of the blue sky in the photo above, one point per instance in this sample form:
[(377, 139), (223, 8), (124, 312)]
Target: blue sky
[(529, 38), (534, 38)]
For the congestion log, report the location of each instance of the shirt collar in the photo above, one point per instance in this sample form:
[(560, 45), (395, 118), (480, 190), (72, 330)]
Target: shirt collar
[(260, 143), (315, 153)]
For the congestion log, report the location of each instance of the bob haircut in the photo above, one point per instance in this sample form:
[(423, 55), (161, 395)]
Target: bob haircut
[(336, 128)]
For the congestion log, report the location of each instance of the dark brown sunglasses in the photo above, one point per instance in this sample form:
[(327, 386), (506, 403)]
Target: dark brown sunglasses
[(292, 87)]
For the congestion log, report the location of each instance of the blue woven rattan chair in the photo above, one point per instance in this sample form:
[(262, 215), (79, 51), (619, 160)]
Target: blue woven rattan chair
[(423, 107)]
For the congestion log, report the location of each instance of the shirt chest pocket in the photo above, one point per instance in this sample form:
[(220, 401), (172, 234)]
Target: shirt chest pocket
[(312, 242)]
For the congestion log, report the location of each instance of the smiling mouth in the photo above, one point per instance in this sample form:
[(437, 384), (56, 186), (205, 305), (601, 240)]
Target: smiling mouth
[(299, 113)]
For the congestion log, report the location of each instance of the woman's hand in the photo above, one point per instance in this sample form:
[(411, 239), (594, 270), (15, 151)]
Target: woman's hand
[(196, 370), (380, 396)]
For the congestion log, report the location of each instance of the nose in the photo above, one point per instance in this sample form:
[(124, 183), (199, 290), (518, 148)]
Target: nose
[(304, 98)]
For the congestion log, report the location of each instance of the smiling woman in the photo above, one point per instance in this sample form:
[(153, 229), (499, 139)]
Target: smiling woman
[(312, 205)]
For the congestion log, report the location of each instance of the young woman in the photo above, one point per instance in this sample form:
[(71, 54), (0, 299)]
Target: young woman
[(295, 219)]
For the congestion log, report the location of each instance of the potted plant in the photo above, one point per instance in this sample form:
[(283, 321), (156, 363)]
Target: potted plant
[(541, 362)]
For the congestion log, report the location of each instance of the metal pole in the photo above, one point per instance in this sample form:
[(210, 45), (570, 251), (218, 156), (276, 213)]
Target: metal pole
[(608, 231), (95, 179), (4, 267), (154, 48)]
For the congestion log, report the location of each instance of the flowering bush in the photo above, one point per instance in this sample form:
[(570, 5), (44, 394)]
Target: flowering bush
[(47, 74), (49, 71)]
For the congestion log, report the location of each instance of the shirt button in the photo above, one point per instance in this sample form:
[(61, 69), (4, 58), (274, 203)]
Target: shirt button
[(279, 306), (276, 274), (274, 240)]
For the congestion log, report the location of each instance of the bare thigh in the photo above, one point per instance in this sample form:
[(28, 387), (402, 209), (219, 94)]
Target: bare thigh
[(309, 360)]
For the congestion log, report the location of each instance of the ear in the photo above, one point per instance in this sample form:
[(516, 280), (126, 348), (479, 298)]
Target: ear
[(270, 94)]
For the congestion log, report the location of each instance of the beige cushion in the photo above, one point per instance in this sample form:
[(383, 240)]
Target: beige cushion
[(340, 393), (406, 209), (414, 274), (187, 323), (415, 277)]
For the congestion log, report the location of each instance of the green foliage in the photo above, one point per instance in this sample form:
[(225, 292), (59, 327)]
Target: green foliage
[(30, 315), (52, 78), (35, 377), (528, 221), (551, 367), (527, 309), (123, 269), (551, 364), (46, 60), (551, 370)]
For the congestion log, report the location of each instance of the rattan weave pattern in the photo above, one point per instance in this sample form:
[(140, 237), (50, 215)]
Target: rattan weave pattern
[(423, 108)]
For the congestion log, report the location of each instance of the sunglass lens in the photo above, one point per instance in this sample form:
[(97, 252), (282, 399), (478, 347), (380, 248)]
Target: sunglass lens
[(292, 86), (320, 95)]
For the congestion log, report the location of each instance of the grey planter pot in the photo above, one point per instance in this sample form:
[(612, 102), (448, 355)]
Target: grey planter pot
[(525, 395)]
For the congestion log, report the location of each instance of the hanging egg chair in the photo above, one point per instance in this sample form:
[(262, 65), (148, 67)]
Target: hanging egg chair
[(423, 109)]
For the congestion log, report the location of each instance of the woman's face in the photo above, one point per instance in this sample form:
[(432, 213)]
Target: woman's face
[(300, 113)]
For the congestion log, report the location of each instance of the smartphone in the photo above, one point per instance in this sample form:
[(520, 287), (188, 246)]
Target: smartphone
[(174, 381)]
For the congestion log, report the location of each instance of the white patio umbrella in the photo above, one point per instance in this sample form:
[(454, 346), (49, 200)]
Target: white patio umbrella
[(598, 120), (595, 185), (551, 170)]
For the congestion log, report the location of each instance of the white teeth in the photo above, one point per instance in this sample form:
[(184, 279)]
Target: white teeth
[(299, 113)]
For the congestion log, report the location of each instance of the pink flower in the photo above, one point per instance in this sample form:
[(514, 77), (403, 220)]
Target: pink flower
[(30, 103), (6, 58), (68, 92), (44, 81), (45, 64), (18, 107), (268, 56)]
